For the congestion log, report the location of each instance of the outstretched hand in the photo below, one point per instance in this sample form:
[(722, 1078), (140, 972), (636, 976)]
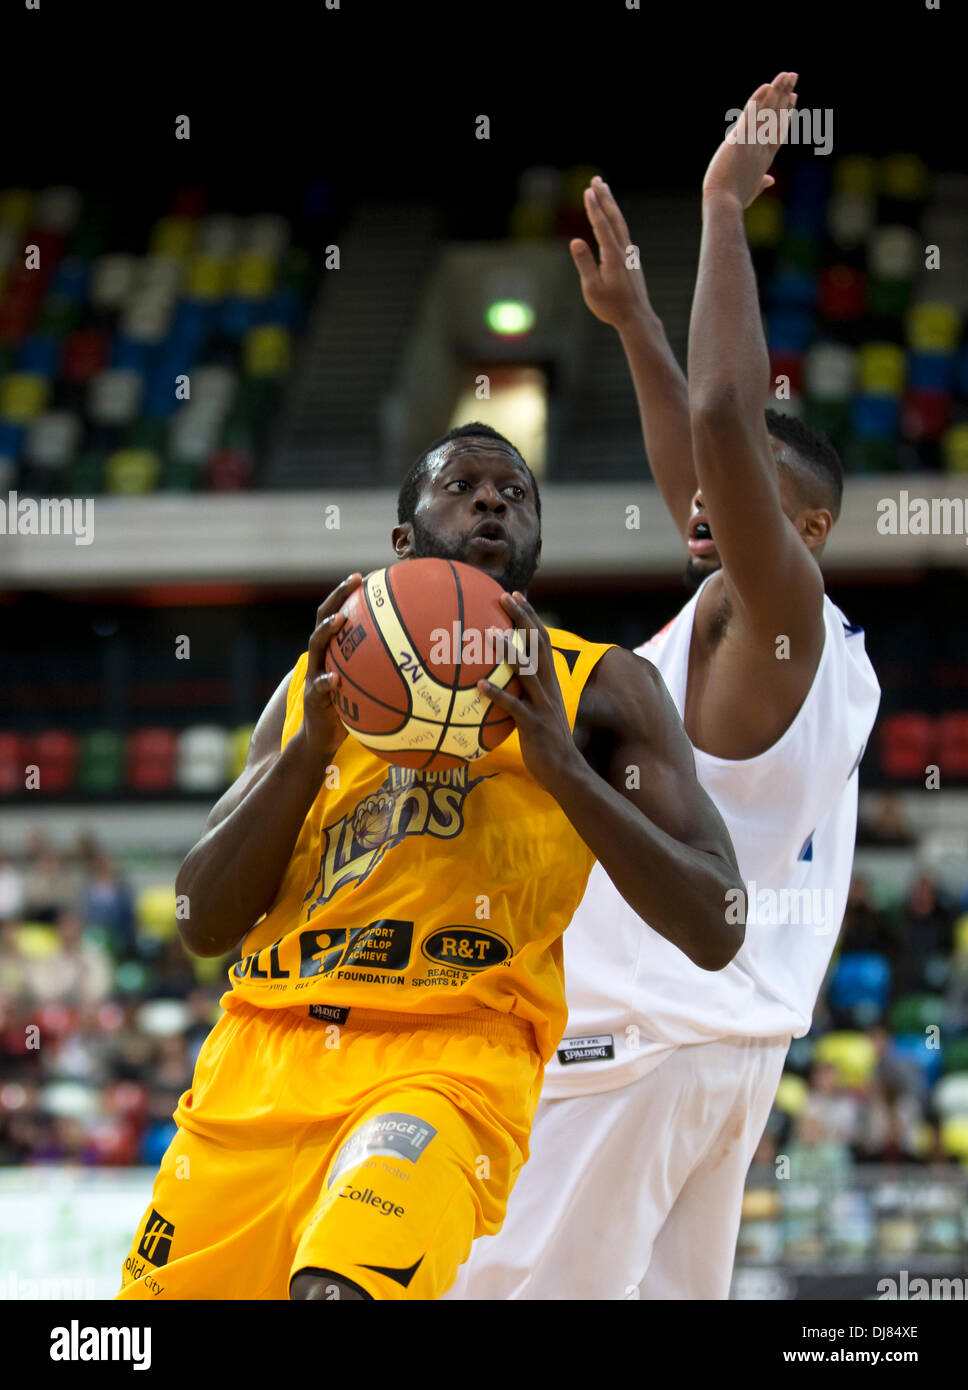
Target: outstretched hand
[(613, 290), (739, 167)]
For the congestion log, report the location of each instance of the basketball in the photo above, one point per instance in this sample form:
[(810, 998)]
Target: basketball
[(418, 637)]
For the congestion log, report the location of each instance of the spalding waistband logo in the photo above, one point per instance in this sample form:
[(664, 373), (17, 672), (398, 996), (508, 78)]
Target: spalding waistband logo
[(594, 1049)]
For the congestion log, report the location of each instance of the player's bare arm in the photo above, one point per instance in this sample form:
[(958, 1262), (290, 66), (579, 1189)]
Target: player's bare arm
[(617, 294), (771, 580), (662, 842), (232, 875)]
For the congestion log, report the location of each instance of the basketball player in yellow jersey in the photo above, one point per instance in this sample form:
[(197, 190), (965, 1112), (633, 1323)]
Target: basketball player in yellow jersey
[(361, 1110)]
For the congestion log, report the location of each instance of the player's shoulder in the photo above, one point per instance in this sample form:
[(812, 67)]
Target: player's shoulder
[(563, 640), (605, 654), (582, 658), (624, 692), (835, 617)]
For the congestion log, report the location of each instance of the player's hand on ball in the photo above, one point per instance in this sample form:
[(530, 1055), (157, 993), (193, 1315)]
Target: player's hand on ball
[(323, 729), (547, 745), (739, 167), (614, 291)]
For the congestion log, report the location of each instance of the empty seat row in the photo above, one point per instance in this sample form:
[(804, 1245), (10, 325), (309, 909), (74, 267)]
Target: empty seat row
[(200, 758), (910, 743)]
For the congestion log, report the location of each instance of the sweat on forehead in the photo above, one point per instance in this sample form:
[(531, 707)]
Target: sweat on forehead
[(455, 448)]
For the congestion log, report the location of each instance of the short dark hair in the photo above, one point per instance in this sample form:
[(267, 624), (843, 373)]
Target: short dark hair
[(814, 452), (410, 487)]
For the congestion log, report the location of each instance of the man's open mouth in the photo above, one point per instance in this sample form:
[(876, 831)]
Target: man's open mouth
[(491, 535), (700, 539)]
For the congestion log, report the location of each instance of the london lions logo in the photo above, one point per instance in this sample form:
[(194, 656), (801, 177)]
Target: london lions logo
[(406, 803)]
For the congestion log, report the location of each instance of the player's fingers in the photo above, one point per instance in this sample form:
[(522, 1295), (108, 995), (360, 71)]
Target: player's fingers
[(601, 226), (339, 596), (612, 211), (533, 643), (524, 614), (514, 707), (322, 685), (585, 262), (320, 640)]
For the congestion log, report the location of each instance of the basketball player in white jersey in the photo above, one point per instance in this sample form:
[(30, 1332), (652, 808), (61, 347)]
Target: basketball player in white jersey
[(662, 1086)]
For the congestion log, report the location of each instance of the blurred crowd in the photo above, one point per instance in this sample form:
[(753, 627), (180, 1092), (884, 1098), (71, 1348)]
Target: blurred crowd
[(882, 1077), (102, 1014)]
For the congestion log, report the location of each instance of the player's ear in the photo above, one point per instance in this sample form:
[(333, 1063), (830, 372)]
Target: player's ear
[(401, 538), (537, 557), (814, 526)]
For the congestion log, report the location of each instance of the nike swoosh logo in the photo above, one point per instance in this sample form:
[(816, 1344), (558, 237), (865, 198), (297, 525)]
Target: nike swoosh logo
[(399, 1276)]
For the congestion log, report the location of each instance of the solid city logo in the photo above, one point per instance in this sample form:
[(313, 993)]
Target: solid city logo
[(155, 1246)]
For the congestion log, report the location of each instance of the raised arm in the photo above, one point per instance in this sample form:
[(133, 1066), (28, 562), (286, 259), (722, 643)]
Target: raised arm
[(616, 293), (632, 794), (232, 875), (774, 583)]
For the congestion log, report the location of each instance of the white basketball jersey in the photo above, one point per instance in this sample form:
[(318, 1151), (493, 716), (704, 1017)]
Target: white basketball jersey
[(792, 816)]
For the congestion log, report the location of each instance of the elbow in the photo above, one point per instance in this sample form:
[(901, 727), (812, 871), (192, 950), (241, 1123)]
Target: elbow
[(191, 917), (200, 939), (725, 930), (187, 930), (716, 405), (192, 941), (724, 953), (197, 945)]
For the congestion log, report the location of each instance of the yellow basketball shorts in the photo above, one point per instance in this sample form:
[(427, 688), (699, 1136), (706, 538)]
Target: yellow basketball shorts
[(374, 1150)]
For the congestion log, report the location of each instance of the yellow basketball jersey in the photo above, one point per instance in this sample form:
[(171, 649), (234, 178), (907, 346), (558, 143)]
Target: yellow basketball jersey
[(423, 892)]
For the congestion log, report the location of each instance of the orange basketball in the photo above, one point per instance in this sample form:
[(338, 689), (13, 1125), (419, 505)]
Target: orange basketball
[(418, 637)]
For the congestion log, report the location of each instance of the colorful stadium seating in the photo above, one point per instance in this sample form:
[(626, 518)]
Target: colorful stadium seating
[(203, 758), (842, 294), (151, 760), (101, 766), (919, 1049), (908, 742), (55, 754), (860, 986), (12, 763), (851, 1054)]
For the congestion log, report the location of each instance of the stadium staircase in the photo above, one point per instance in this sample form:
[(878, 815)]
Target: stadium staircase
[(599, 432), (330, 422)]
